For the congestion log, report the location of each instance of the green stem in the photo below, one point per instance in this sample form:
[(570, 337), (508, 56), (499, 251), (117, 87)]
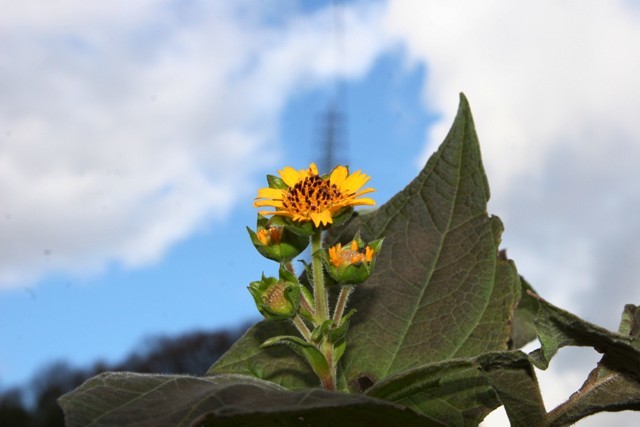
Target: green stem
[(322, 307), (302, 327), (329, 383), (319, 292), (341, 304)]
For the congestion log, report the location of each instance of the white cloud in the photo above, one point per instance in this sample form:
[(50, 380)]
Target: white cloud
[(124, 128)]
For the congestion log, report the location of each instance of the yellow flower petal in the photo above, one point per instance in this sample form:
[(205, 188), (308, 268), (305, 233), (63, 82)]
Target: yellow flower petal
[(354, 182), (262, 203), (263, 236), (334, 255), (306, 173), (290, 176), (298, 217), (270, 193), (368, 254), (323, 218), (364, 201), (338, 175), (315, 217), (365, 191)]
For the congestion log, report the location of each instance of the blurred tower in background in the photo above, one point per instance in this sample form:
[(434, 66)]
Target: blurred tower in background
[(332, 129), (332, 137)]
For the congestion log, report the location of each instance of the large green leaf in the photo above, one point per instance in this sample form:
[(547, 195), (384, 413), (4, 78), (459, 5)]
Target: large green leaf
[(440, 289), (127, 399), (465, 392)]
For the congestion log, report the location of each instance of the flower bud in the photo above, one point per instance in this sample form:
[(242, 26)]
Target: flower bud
[(352, 263), (276, 299), (276, 242)]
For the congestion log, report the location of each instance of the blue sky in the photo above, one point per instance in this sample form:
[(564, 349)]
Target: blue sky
[(133, 139), (201, 281)]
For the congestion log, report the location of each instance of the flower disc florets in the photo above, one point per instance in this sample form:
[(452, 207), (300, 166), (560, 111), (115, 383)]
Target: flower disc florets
[(350, 254), (275, 299), (270, 236), (352, 263), (306, 196)]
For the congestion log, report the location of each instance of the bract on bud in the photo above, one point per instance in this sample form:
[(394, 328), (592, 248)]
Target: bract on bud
[(352, 263), (276, 299), (276, 242)]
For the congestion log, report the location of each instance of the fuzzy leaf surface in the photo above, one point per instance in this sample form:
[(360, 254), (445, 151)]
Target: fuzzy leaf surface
[(458, 391), (558, 328), (278, 364), (440, 290), (613, 385), (128, 399), (524, 328)]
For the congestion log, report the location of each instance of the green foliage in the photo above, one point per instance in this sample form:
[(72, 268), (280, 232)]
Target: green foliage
[(306, 350), (221, 401), (614, 385), (434, 341)]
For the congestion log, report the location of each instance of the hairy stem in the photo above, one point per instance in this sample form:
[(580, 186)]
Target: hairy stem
[(328, 383), (302, 327), (341, 304), (322, 307), (328, 354), (319, 292)]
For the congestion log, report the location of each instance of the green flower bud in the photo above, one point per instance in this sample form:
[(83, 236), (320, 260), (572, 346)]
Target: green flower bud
[(352, 263), (276, 299), (276, 242)]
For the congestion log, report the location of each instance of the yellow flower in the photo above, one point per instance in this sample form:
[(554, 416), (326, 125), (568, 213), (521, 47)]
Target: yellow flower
[(311, 197)]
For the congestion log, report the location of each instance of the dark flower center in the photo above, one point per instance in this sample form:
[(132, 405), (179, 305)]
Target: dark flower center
[(312, 194)]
